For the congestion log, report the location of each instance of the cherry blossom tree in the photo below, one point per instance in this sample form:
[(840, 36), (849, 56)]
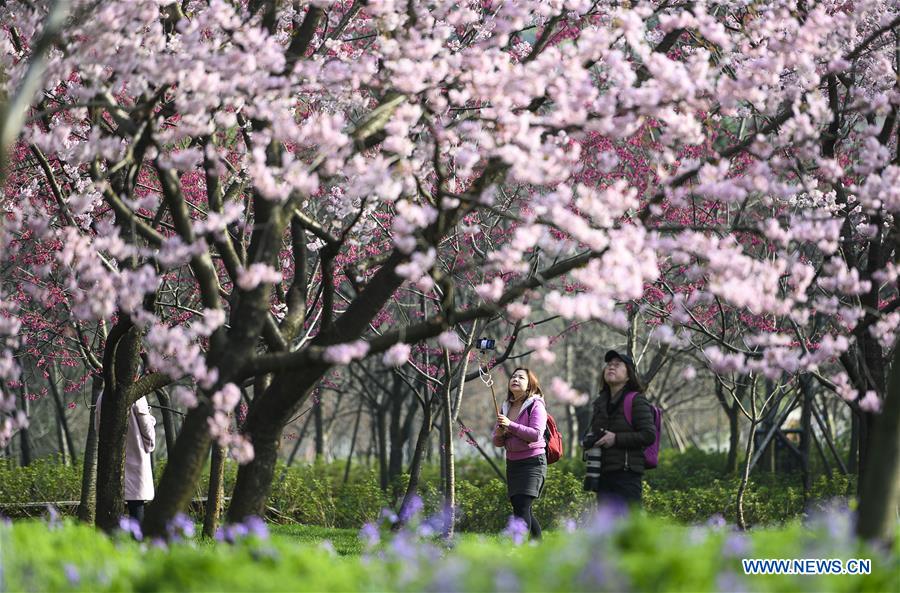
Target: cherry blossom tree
[(240, 190)]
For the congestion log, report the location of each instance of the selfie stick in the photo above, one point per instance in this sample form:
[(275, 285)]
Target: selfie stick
[(485, 374)]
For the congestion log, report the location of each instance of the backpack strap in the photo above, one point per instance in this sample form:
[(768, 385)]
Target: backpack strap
[(628, 405)]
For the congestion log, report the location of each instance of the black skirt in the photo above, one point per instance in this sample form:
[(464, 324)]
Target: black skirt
[(526, 476)]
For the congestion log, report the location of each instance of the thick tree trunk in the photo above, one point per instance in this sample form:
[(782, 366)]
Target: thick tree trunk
[(263, 427), (216, 493), (184, 466), (87, 504), (120, 364), (880, 489)]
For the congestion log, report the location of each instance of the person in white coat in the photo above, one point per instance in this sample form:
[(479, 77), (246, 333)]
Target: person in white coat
[(140, 441)]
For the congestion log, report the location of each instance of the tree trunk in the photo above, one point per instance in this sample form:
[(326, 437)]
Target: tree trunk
[(24, 437), (734, 438), (87, 505), (120, 362), (734, 428), (853, 455), (415, 466), (381, 428), (300, 436), (571, 418), (320, 429), (353, 442), (879, 493), (168, 418), (184, 466), (216, 492), (745, 478), (66, 444), (265, 423), (806, 434), (396, 433), (447, 453)]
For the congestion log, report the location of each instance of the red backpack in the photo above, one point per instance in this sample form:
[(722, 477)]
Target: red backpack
[(552, 438), (554, 441)]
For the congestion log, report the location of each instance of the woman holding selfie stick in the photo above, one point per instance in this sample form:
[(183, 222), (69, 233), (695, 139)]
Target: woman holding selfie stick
[(520, 429)]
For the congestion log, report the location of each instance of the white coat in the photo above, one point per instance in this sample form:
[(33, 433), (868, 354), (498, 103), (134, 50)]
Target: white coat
[(140, 441)]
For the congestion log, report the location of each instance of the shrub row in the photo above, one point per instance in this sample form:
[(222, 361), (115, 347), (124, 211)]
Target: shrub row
[(686, 487)]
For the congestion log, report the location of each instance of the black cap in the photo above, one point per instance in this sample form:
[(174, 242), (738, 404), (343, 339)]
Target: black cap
[(611, 354)]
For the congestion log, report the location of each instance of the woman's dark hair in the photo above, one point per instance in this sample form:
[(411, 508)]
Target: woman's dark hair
[(634, 382), (534, 386)]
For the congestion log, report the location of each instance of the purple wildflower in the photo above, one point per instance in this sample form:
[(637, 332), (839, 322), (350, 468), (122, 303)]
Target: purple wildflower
[(505, 581), (158, 542), (412, 508), (257, 527), (369, 534), (729, 581), (736, 545), (389, 515), (717, 521), (232, 533), (328, 547), (179, 527), (403, 546), (435, 524), (593, 574), (72, 574), (516, 529), (53, 520), (448, 575), (131, 526), (607, 516)]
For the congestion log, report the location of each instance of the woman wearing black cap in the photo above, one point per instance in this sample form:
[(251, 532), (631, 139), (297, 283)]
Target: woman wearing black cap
[(622, 443)]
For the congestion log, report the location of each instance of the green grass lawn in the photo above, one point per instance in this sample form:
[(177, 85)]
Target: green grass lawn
[(346, 542)]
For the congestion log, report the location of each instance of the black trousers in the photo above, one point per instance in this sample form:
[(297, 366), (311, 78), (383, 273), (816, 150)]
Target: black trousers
[(521, 504), (136, 509), (622, 486)]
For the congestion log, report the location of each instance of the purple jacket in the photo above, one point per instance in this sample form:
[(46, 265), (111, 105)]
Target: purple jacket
[(525, 434)]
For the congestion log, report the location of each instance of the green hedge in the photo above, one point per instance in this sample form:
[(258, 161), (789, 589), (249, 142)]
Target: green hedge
[(639, 553), (687, 487)]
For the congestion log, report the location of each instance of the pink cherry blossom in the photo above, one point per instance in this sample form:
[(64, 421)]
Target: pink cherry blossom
[(566, 394), (397, 355), (256, 274), (346, 353), (450, 341)]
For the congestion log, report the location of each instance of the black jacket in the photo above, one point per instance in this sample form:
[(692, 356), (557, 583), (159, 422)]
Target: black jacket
[(628, 452)]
